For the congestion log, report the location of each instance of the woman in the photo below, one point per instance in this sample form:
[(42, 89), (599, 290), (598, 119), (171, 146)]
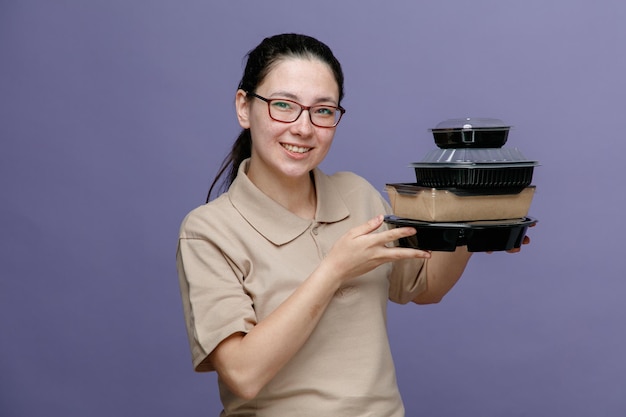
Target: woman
[(285, 277)]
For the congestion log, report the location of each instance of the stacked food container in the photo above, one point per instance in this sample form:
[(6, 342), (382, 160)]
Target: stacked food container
[(470, 190)]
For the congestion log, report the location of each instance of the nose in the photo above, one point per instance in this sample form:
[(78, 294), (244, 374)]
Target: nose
[(303, 125)]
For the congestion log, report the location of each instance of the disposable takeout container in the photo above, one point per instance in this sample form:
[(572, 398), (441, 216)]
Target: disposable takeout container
[(410, 200), (476, 168), (483, 236), (471, 132)]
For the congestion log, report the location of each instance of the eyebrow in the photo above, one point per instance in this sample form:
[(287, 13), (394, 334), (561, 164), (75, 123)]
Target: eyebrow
[(291, 96)]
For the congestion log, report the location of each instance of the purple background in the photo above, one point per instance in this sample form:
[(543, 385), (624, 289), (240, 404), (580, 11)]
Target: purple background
[(114, 115)]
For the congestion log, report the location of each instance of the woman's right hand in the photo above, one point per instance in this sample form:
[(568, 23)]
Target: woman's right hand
[(362, 249)]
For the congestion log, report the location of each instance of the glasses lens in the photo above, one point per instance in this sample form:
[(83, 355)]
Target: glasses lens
[(284, 110), (325, 116)]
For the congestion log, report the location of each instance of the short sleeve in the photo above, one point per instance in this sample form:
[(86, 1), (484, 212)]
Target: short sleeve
[(408, 276), (407, 280), (215, 303)]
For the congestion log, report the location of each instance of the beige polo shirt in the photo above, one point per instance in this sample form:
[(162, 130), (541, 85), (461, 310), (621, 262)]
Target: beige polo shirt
[(242, 254)]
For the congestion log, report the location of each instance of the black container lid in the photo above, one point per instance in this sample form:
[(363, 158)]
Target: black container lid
[(471, 123), (456, 157)]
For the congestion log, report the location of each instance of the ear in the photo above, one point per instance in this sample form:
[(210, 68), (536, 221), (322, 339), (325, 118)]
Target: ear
[(243, 109)]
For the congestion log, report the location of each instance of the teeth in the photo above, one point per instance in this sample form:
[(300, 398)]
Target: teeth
[(297, 149)]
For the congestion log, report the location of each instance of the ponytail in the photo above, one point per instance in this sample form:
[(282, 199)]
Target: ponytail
[(241, 150)]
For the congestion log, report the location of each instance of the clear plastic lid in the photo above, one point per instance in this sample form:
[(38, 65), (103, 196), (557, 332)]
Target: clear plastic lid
[(476, 156), (471, 123)]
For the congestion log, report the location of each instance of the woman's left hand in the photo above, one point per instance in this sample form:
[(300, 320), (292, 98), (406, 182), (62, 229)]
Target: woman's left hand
[(525, 241)]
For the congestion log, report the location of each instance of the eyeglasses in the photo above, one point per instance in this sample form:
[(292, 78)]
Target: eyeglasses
[(288, 111)]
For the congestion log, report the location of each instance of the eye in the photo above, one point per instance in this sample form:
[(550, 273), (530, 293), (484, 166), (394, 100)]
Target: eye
[(282, 105), (325, 111)]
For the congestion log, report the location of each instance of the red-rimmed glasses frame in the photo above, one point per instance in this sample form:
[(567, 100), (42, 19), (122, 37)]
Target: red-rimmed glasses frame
[(339, 109)]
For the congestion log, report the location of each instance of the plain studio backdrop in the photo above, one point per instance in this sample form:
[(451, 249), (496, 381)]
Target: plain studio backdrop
[(114, 116)]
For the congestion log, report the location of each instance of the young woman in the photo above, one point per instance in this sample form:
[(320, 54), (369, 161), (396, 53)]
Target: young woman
[(285, 277)]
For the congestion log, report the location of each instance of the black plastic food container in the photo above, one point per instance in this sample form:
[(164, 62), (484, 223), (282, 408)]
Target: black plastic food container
[(510, 177), (480, 236), (477, 168), (471, 132)]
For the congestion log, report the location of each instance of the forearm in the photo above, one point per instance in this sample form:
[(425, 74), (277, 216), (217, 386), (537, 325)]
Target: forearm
[(442, 271), (246, 363)]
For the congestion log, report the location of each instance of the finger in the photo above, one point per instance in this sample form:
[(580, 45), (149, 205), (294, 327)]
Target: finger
[(397, 233), (367, 227), (525, 241), (403, 253)]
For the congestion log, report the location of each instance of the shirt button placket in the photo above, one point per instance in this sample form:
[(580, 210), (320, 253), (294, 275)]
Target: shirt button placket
[(315, 232), (315, 228)]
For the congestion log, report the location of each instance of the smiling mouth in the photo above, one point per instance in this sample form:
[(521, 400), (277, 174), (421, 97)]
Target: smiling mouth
[(295, 149)]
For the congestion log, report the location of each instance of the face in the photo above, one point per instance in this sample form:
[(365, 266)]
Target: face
[(288, 151)]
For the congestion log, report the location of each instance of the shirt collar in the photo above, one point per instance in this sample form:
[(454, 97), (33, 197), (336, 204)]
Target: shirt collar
[(273, 221)]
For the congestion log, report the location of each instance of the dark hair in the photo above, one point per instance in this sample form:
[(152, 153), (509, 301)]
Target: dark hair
[(259, 63)]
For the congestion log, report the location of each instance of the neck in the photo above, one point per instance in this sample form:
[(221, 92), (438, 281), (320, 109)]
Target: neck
[(295, 194)]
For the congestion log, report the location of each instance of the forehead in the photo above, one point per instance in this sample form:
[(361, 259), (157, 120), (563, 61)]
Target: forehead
[(302, 77)]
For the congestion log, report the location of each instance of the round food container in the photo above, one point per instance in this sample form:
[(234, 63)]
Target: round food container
[(475, 168), (471, 132), (480, 236)]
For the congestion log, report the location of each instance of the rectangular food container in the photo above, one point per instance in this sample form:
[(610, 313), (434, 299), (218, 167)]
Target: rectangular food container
[(444, 205)]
